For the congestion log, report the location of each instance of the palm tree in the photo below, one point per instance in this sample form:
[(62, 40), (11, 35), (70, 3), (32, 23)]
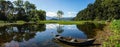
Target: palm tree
[(60, 13)]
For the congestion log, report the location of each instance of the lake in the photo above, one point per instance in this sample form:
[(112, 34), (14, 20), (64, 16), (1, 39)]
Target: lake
[(41, 35)]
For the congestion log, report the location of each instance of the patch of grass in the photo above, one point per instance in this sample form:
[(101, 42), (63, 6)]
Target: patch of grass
[(20, 22), (2, 23), (52, 21), (113, 40), (70, 22), (48, 21), (62, 22)]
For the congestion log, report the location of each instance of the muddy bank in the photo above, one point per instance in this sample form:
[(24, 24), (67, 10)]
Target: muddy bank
[(102, 35)]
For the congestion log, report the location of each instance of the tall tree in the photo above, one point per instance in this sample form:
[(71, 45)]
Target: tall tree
[(10, 16), (6, 8), (19, 4), (41, 14), (28, 8), (59, 14), (20, 10)]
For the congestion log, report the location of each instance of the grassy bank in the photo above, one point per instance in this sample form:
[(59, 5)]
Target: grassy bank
[(114, 39), (2, 23), (69, 22)]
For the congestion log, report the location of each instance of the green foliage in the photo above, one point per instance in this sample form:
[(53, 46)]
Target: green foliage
[(115, 25), (21, 10), (60, 13), (5, 9), (115, 37), (41, 14), (101, 10)]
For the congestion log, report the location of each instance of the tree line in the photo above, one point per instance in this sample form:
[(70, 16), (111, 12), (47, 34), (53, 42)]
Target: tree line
[(100, 10), (20, 10)]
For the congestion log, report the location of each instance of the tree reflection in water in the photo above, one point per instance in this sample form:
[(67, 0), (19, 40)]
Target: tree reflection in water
[(27, 34), (19, 33), (90, 28), (59, 29)]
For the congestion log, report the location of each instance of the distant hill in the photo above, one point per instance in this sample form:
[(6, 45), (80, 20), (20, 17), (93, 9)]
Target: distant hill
[(49, 18), (64, 18), (67, 18)]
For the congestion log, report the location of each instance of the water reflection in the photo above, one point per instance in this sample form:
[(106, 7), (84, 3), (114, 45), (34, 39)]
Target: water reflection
[(19, 32), (59, 29), (36, 35), (90, 29)]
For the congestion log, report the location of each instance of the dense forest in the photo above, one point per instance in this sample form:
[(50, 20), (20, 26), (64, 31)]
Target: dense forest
[(100, 10), (20, 10)]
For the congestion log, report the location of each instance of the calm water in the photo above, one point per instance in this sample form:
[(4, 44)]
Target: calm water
[(41, 35)]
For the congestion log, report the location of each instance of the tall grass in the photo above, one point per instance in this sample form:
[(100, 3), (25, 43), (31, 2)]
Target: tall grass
[(114, 39)]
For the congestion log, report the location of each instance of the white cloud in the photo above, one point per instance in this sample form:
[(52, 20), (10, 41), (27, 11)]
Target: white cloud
[(71, 14), (51, 26), (51, 14)]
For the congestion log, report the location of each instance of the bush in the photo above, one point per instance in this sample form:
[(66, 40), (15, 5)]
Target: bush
[(114, 38)]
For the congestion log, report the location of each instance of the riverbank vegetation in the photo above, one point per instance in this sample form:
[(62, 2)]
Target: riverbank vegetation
[(20, 10), (69, 22), (100, 10), (108, 10), (52, 21), (2, 23), (114, 39)]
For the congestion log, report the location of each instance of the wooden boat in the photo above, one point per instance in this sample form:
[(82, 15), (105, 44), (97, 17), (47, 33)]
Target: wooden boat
[(76, 42)]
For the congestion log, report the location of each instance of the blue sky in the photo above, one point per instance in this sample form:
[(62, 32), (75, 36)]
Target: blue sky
[(69, 7)]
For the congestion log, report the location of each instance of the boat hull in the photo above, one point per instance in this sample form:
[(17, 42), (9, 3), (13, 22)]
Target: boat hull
[(90, 42)]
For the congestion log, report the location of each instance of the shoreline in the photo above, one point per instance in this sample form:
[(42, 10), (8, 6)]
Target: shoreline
[(103, 35)]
